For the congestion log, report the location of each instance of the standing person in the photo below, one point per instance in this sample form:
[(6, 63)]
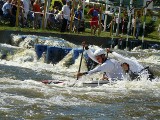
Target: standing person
[(14, 7), (26, 7), (37, 12), (66, 15), (102, 20), (118, 21), (93, 12), (77, 19), (23, 14), (110, 68), (14, 10), (7, 12), (138, 25)]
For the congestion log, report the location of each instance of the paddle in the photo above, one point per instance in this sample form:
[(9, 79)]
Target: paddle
[(79, 69)]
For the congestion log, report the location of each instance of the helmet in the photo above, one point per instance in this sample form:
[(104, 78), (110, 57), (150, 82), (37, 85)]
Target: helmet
[(99, 52)]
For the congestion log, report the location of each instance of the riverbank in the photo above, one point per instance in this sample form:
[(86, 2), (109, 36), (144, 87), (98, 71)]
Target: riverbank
[(104, 40)]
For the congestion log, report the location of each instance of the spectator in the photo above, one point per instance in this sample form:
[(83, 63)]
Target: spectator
[(14, 4), (94, 20), (26, 7), (66, 15), (58, 17), (37, 12), (138, 25), (21, 14), (14, 7), (51, 19), (56, 10), (77, 19), (7, 12), (102, 19), (32, 2)]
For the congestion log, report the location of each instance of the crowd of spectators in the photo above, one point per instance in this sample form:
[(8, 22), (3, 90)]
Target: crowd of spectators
[(31, 13), (58, 17)]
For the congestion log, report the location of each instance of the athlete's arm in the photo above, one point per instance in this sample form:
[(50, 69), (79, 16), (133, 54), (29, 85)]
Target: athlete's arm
[(121, 58), (105, 67)]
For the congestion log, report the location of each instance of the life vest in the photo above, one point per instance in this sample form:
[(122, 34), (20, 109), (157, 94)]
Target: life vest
[(133, 75)]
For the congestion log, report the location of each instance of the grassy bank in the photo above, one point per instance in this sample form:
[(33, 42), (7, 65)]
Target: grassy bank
[(151, 37)]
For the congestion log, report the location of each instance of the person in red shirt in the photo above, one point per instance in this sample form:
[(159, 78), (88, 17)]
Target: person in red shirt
[(94, 20), (37, 11)]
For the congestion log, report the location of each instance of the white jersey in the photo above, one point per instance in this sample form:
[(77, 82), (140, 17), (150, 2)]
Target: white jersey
[(66, 12), (134, 66), (26, 7), (110, 67)]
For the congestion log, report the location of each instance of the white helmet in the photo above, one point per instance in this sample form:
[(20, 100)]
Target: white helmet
[(99, 52)]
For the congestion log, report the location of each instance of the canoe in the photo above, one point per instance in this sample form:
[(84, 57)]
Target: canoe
[(85, 84), (95, 83), (52, 81)]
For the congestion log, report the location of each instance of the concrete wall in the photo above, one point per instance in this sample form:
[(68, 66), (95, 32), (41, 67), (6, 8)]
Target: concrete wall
[(76, 39), (5, 37)]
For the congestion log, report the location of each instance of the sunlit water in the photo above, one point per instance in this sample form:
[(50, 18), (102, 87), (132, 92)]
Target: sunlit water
[(23, 96)]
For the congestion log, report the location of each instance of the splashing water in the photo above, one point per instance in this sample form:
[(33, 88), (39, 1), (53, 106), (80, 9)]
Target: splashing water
[(23, 96)]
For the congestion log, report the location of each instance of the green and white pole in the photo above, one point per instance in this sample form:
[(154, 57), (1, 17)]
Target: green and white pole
[(105, 20), (47, 10), (112, 29), (83, 9), (144, 25), (129, 23), (144, 20), (119, 17)]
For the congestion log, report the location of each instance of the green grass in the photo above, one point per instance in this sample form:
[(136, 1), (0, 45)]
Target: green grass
[(152, 36)]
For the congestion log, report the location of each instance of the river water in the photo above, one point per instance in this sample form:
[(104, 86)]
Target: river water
[(23, 96)]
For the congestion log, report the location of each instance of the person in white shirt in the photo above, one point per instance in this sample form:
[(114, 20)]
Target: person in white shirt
[(132, 69), (108, 67), (66, 15), (26, 7)]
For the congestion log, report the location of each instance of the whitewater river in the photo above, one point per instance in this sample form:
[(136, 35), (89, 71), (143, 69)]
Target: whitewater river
[(23, 96)]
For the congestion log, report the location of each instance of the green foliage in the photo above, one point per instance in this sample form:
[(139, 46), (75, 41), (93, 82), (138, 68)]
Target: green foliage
[(156, 3), (149, 24)]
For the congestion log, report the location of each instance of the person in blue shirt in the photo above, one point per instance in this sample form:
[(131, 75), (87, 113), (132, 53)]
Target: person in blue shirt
[(7, 12), (77, 19)]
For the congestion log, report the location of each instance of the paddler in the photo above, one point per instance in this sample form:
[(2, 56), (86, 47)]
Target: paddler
[(132, 69), (110, 68)]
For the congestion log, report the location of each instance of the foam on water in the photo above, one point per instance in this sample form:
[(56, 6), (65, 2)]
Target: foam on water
[(25, 97)]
